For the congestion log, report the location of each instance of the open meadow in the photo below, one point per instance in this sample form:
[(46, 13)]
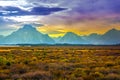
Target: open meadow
[(60, 63)]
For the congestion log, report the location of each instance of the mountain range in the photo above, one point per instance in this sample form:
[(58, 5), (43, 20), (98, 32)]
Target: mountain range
[(29, 35)]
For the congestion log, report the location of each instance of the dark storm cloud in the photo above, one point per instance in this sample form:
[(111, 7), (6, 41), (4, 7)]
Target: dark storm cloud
[(44, 10), (16, 11)]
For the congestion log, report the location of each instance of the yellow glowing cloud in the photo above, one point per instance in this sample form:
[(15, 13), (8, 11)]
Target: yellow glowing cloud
[(53, 31), (86, 27)]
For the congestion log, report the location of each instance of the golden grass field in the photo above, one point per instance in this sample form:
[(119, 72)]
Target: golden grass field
[(60, 63)]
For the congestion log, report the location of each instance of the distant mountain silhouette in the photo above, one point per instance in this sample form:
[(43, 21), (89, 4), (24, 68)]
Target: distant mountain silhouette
[(27, 35), (92, 38), (110, 37), (1, 38), (71, 38)]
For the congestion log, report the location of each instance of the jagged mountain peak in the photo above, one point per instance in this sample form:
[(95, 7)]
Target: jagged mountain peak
[(27, 27), (70, 33), (113, 30), (71, 38), (93, 34)]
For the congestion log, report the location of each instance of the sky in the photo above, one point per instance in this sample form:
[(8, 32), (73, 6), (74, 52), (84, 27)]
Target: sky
[(56, 17)]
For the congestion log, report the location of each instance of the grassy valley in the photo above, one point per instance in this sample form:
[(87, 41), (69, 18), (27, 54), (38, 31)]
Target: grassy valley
[(60, 63)]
